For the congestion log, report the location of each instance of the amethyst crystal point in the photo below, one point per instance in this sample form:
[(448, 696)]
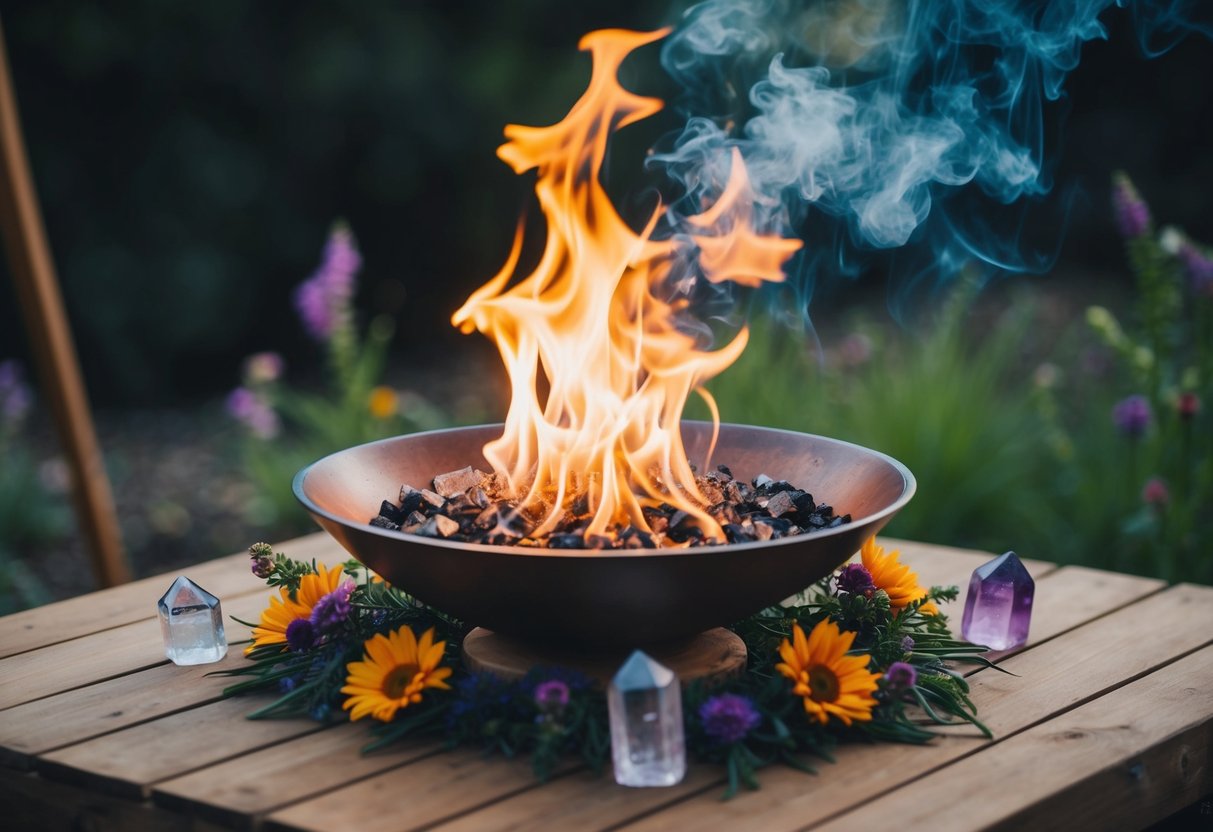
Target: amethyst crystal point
[(998, 608)]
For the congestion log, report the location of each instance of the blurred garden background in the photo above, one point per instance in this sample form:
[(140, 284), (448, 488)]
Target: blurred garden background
[(192, 161)]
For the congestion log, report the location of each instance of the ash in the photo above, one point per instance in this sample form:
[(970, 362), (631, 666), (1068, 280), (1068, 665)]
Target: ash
[(471, 506)]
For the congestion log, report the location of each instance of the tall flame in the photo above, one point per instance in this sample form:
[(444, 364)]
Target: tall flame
[(596, 317)]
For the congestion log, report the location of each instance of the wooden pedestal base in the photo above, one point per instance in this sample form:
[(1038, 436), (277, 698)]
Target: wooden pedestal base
[(713, 654)]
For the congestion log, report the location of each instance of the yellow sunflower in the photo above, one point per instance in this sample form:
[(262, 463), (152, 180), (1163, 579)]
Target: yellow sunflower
[(830, 681), (895, 578), (284, 611), (395, 669)]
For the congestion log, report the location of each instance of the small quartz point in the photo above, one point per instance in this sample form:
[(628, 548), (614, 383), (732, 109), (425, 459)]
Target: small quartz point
[(192, 624), (645, 705), (998, 608)]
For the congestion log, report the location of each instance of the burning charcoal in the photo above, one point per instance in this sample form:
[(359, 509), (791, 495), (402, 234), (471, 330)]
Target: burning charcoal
[(460, 504), (683, 528), (435, 500), (479, 497), (724, 469), (804, 502), (438, 526), (763, 532), (737, 492), (817, 521), (566, 541), (384, 523), (778, 525), (599, 541), (780, 504), (410, 501), (761, 481), (657, 519), (737, 533), (453, 482), (724, 513), (391, 513), (825, 510), (711, 492), (835, 523), (415, 518)]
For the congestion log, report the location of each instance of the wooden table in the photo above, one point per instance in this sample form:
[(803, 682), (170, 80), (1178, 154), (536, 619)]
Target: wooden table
[(1106, 724)]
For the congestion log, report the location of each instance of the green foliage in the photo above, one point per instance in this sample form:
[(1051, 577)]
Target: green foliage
[(948, 404)]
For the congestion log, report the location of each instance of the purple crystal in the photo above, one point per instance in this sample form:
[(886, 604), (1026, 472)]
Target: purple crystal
[(998, 608)]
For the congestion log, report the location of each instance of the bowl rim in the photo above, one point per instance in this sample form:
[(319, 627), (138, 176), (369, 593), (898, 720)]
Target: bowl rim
[(909, 487)]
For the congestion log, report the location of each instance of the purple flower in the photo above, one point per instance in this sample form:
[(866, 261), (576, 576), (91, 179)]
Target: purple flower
[(728, 718), (1132, 416), (855, 579), (254, 412), (323, 300), (552, 696), (1155, 493), (1132, 212), (907, 644), (300, 635), (1199, 267), (15, 397), (900, 676), (333, 609)]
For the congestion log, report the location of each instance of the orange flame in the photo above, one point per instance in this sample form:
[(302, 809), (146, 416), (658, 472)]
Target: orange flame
[(591, 318)]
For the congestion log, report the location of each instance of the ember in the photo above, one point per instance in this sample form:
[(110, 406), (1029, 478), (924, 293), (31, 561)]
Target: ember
[(485, 512)]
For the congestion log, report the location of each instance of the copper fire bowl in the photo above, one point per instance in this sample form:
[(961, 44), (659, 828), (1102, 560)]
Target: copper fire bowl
[(612, 598)]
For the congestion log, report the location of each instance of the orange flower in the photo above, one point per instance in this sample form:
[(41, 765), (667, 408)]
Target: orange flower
[(895, 578), (284, 611), (394, 670), (830, 682)]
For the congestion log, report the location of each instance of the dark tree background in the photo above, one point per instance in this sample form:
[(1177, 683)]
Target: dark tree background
[(190, 157)]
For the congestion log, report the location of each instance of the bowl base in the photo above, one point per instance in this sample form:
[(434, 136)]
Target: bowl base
[(714, 655)]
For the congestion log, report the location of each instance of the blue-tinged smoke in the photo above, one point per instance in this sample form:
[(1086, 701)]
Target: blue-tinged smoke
[(911, 130)]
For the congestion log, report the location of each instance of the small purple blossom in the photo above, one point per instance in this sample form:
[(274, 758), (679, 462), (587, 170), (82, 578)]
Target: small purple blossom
[(1199, 267), (1132, 416), (300, 635), (727, 718), (855, 579), (254, 412), (1155, 493), (262, 567), (900, 676), (15, 398), (552, 696), (333, 609), (323, 300), (1132, 212), (907, 644)]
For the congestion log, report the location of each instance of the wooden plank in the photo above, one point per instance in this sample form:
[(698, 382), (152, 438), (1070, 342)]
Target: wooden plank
[(1118, 762), (224, 577), (34, 804), (412, 797), (235, 792), (1065, 671), (127, 762), (583, 801), (90, 711), (99, 657)]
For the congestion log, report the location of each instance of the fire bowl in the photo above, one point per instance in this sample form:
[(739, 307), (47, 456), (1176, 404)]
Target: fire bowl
[(604, 599)]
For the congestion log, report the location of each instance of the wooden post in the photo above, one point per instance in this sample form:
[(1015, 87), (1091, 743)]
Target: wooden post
[(54, 352)]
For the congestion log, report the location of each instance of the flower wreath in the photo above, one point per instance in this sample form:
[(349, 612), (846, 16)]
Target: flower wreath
[(864, 653)]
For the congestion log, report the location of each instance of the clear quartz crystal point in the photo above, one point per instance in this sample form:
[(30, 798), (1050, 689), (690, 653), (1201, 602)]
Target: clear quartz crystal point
[(645, 705), (998, 608), (192, 624)]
